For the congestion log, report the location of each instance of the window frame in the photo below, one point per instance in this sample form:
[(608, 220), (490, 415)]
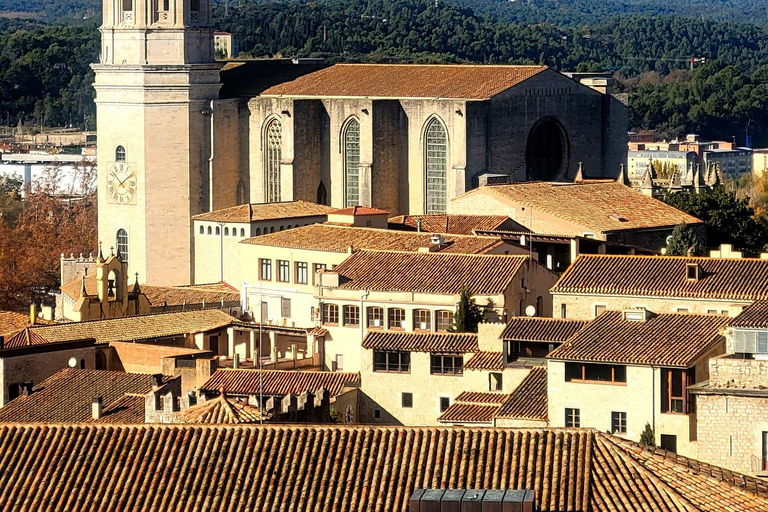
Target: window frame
[(398, 325), (417, 321), (616, 380), (265, 269), (330, 313), (670, 401), (369, 317), (283, 271), (619, 419), (572, 417), (438, 366), (350, 314), (351, 159), (302, 272), (122, 245), (120, 153), (436, 165), (395, 361), (439, 320), (406, 400), (273, 155)]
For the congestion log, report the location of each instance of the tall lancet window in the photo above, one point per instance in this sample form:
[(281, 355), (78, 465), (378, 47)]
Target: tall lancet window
[(352, 162), (436, 161), (274, 145)]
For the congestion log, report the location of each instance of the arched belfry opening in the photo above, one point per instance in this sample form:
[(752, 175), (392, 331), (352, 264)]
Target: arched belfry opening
[(547, 151)]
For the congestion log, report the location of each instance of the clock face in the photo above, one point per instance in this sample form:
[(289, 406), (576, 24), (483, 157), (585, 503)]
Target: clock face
[(121, 183)]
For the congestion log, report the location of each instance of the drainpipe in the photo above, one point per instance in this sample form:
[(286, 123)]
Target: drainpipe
[(210, 164), (362, 313), (653, 402)]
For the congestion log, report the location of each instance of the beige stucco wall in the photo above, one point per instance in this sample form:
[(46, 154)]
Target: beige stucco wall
[(582, 306)]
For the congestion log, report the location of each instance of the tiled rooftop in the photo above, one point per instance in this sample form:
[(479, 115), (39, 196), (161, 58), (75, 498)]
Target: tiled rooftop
[(529, 400), (25, 338), (471, 82), (360, 211), (456, 224), (601, 206), (254, 212), (134, 328), (429, 272), (168, 295), (457, 343), (279, 382), (551, 330), (675, 340), (335, 238), (754, 316), (68, 468), (12, 322), (493, 361), (221, 410), (666, 276), (66, 397), (472, 407)]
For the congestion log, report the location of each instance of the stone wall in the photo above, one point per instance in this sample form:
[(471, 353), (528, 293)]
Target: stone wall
[(582, 307), (727, 372)]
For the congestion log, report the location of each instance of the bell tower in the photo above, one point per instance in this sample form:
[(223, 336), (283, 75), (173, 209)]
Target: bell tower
[(155, 82)]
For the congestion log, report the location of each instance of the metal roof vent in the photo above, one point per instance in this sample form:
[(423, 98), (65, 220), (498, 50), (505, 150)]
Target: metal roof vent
[(472, 500)]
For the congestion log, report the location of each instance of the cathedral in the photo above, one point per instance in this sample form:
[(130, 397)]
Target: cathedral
[(181, 134)]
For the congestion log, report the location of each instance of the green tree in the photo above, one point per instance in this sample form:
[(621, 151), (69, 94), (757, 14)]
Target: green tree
[(647, 438), (468, 313), (729, 220), (684, 242)]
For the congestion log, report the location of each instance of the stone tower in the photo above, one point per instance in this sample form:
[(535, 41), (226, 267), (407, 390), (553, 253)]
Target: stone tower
[(154, 85)]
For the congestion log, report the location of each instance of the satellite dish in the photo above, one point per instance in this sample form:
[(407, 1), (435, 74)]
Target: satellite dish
[(72, 362), (530, 310)]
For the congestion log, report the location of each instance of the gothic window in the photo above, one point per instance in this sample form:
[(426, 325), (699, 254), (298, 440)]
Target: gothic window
[(242, 231), (226, 231), (209, 230), (436, 162), (119, 154), (122, 244), (352, 163), (322, 194), (274, 145), (202, 230), (166, 5)]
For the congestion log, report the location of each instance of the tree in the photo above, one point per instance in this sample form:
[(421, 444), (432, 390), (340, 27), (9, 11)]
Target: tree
[(468, 313), (684, 242), (647, 438), (729, 220)]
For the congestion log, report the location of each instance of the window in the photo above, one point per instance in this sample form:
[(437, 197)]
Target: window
[(242, 231), (317, 267), (166, 5), (202, 230), (226, 231), (127, 6), (352, 162), (396, 319), (445, 402), (599, 309), (283, 271), (351, 316), (692, 271), (669, 443), (422, 320), (285, 307), (331, 314), (674, 385), (234, 231), (377, 414), (436, 161), (619, 422), (393, 361), (266, 270), (494, 381), (443, 320), (302, 272), (274, 147), (194, 5), (218, 230), (446, 364), (595, 373), (562, 311), (122, 244), (375, 316), (338, 363), (210, 231), (683, 310), (572, 418), (407, 400)]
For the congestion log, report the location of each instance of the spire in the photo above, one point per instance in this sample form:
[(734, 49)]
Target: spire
[(136, 288), (83, 289), (647, 180), (622, 178), (101, 254), (579, 174), (111, 250)]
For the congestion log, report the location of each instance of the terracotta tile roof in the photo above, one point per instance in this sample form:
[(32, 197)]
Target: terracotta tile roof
[(493, 361), (676, 340), (221, 410), (552, 330), (339, 469), (336, 238), (429, 272), (159, 295), (472, 407), (12, 322), (134, 328), (67, 396), (471, 82), (456, 224), (457, 343), (754, 316), (665, 276), (360, 211), (601, 207), (279, 382), (25, 338), (255, 212), (529, 400), (474, 397)]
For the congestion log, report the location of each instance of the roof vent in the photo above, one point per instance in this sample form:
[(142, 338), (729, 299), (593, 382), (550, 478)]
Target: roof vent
[(693, 272), (437, 239), (619, 218), (635, 315)]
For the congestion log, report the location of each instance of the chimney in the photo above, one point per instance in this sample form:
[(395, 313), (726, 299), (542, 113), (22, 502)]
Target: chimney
[(32, 314), (26, 388), (96, 407), (235, 361), (157, 380)]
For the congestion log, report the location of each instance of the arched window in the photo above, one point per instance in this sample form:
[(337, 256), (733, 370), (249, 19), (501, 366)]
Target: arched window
[(218, 230), (101, 361), (271, 229), (242, 231), (202, 230), (273, 142), (436, 163), (352, 163), (226, 231), (322, 194), (281, 228), (122, 244), (119, 154), (258, 231), (209, 230)]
